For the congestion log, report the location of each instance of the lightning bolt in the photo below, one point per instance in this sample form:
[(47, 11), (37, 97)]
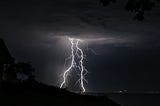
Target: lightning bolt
[(81, 67), (72, 63), (76, 51)]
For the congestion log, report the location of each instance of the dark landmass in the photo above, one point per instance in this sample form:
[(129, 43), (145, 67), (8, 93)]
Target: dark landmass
[(38, 94)]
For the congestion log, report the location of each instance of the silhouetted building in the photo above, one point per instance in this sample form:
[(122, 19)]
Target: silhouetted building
[(5, 59)]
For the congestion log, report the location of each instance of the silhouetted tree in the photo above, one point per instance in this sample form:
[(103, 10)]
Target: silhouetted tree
[(10, 73), (18, 71), (107, 2), (138, 7), (24, 71)]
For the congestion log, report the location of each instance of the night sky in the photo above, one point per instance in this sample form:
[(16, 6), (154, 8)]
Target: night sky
[(127, 51)]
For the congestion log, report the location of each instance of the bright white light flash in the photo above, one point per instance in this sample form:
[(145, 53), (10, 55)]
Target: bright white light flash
[(76, 52)]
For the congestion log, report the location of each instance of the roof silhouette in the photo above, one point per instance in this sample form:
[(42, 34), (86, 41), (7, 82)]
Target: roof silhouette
[(5, 57)]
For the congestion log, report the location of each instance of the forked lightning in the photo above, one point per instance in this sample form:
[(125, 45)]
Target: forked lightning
[(76, 52)]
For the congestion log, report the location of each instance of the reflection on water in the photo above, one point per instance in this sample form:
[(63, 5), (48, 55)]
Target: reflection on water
[(136, 100)]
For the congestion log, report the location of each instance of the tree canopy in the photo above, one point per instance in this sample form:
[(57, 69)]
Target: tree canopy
[(138, 7)]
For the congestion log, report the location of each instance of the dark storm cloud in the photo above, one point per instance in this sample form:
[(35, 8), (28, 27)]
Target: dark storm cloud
[(36, 31)]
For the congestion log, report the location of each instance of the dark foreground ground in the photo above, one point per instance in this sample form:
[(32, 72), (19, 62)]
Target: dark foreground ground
[(36, 94)]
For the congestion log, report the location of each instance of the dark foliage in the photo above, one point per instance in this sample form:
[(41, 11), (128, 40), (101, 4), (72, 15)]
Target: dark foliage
[(17, 72), (25, 69), (107, 2), (138, 7)]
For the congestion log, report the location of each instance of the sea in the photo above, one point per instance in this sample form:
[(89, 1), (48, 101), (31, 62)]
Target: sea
[(136, 99)]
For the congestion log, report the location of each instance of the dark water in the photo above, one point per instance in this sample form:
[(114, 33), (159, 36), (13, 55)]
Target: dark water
[(136, 100)]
